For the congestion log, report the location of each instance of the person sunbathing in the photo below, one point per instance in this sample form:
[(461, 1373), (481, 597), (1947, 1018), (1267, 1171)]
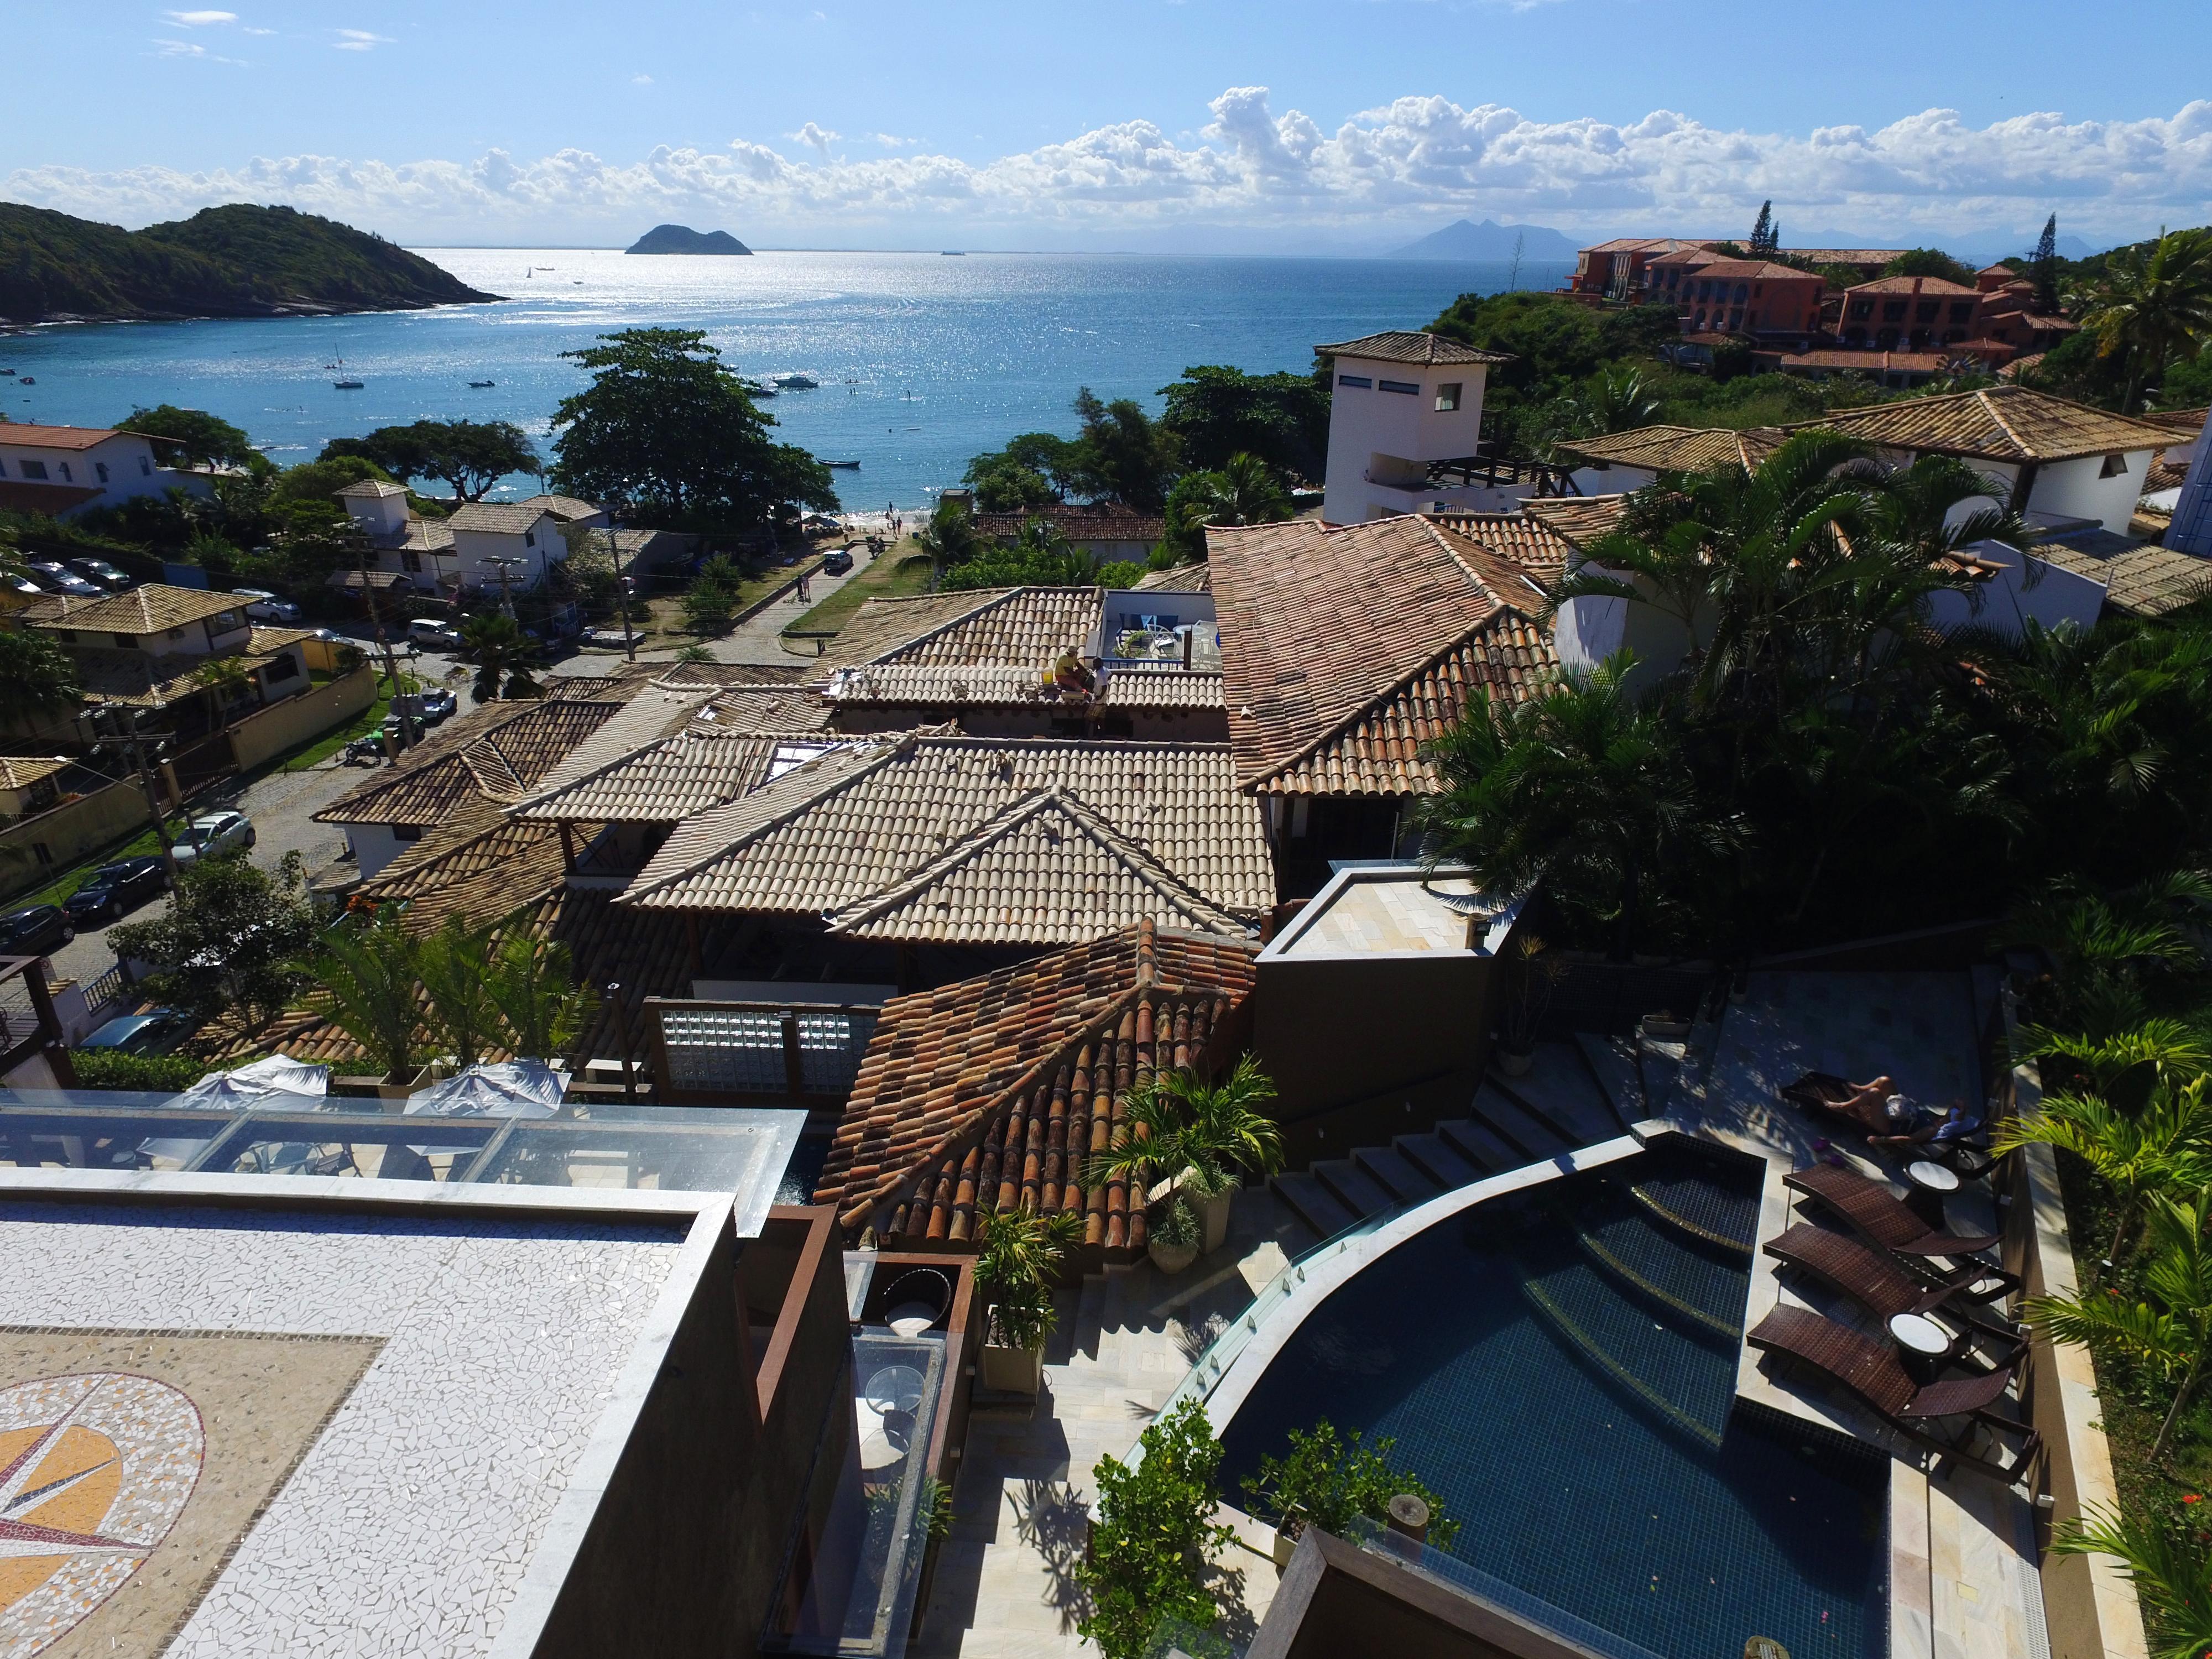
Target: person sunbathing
[(1928, 1129), (1879, 1107)]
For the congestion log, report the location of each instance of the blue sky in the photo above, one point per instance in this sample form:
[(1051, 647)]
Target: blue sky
[(1296, 123)]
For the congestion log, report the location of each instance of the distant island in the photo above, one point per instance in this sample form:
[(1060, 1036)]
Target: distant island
[(1488, 241), (222, 261), (681, 239)]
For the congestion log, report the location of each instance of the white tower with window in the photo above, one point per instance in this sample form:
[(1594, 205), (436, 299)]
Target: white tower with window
[(1401, 403)]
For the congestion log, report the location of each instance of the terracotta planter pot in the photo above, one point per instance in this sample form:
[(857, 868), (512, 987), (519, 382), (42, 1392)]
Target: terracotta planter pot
[(1012, 1370), (1515, 1062), (1214, 1213), (1171, 1259)]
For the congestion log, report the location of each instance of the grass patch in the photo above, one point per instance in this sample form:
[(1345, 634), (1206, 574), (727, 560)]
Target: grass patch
[(359, 725), (895, 572)]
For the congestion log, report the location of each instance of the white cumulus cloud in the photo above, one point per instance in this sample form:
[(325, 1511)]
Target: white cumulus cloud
[(1410, 161), (360, 40), (200, 19)]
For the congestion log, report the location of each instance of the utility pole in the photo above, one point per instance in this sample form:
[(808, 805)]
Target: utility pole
[(384, 641), (126, 737), (621, 594), (506, 563)]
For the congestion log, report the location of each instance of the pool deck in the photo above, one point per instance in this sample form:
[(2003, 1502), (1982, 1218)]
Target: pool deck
[(1964, 1581)]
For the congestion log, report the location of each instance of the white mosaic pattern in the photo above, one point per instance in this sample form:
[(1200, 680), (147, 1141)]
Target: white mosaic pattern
[(99, 1467), (409, 1524)]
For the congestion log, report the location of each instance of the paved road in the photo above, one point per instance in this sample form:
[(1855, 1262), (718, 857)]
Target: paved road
[(757, 640)]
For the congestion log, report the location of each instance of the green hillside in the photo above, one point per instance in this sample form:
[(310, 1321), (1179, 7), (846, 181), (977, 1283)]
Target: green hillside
[(221, 262)]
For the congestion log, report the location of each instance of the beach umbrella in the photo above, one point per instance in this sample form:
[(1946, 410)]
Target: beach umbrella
[(513, 1088), (276, 1081)]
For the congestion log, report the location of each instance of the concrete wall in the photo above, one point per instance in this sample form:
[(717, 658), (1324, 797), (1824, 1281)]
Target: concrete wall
[(269, 733), (1368, 427), (2076, 488), (70, 833)]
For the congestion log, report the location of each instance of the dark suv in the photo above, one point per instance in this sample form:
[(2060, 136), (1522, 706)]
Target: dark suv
[(114, 888), (37, 930)]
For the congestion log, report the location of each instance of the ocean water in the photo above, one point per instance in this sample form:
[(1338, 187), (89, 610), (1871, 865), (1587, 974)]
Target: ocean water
[(924, 360)]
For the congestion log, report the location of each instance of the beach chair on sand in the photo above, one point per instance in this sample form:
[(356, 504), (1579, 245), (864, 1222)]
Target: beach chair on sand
[(1885, 1289), (1880, 1217), (1868, 1370)]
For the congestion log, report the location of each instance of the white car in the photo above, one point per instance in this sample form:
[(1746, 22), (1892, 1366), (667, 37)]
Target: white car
[(433, 636), (218, 832), (263, 606)]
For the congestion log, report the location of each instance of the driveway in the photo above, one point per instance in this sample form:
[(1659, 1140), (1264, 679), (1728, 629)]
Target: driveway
[(756, 640)]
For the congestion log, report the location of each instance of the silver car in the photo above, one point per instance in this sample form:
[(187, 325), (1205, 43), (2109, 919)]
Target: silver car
[(217, 832)]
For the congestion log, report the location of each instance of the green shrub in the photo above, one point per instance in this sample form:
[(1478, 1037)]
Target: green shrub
[(1153, 1535), (106, 1068), (1326, 1483)]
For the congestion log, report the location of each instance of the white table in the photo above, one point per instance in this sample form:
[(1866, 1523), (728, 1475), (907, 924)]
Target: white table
[(1934, 1177), (1921, 1334)]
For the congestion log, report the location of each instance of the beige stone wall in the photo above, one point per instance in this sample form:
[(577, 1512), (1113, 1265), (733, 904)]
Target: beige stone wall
[(69, 833), (267, 733)]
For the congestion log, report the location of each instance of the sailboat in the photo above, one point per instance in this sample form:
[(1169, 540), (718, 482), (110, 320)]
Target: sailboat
[(347, 385)]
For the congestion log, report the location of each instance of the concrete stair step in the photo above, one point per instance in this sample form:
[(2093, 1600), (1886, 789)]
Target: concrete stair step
[(1560, 1092), (1312, 1203), (1404, 1180), (1478, 1143), (1361, 1193), (1612, 1062), (1438, 1159), (1516, 1125)]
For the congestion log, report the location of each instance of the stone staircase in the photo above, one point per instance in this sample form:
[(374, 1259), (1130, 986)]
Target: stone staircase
[(1575, 1094)]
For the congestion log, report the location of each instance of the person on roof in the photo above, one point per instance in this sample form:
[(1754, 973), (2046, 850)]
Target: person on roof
[(1070, 675)]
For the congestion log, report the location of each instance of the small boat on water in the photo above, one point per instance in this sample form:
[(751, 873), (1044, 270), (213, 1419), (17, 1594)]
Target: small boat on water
[(349, 385), (956, 253), (28, 379), (481, 384), (6, 371), (797, 382), (847, 466)]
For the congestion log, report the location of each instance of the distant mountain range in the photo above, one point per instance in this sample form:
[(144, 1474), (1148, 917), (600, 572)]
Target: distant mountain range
[(1464, 239), (221, 262), (681, 239)]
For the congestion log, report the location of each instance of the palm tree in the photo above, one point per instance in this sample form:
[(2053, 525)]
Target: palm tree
[(1619, 400), (463, 1013), (499, 649), (226, 676), (2169, 1332), (1577, 781), (1177, 1122), (1019, 1254), (2104, 948), (1245, 490), (2154, 307), (2170, 1567), (368, 982), (533, 985), (2166, 1143), (949, 538)]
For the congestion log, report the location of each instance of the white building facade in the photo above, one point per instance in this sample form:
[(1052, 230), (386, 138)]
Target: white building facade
[(62, 471), (1401, 403)]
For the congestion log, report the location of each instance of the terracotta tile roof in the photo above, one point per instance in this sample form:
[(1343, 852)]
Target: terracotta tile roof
[(1166, 687), (2181, 425), (1935, 288), (151, 608), (1182, 578), (1534, 544), (669, 781), (1343, 649), (1883, 363), (718, 673), (21, 771), (842, 830), (1005, 627), (1077, 523), (115, 675), (2000, 423), (991, 1092), (1676, 448), (767, 708), (1634, 243), (497, 518), (2144, 581), (370, 490), (1756, 271), (1579, 519), (479, 864), (567, 509), (650, 715), (1423, 350), (498, 752), (1047, 870), (25, 435), (2164, 474)]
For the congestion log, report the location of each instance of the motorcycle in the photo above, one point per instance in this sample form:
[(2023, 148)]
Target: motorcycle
[(363, 751)]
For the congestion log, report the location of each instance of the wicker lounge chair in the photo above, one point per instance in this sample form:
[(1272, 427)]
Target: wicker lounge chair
[(1885, 1289), (1883, 1218), (1818, 1094), (1869, 1370)]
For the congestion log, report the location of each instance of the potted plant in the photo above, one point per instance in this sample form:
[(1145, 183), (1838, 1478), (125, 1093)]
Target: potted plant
[(1173, 1234), (1201, 1137), (1017, 1267), (1531, 977), (1326, 1483)]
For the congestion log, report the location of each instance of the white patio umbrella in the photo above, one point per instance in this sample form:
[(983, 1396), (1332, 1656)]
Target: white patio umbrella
[(276, 1081), (513, 1088)]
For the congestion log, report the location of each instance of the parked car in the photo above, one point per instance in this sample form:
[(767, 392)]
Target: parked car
[(218, 832), (36, 930), (439, 706), (60, 579), (263, 606), (836, 563), (101, 573), (433, 636), (608, 635), (26, 586), (157, 1032), (114, 888)]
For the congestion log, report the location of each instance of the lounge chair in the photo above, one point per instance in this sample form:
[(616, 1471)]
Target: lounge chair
[(1883, 1218), (1870, 1372), (1885, 1289), (1818, 1094)]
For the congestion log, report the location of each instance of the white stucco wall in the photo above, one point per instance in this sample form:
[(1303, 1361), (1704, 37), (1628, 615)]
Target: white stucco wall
[(2076, 488), (2027, 588), (1368, 427), (373, 847)]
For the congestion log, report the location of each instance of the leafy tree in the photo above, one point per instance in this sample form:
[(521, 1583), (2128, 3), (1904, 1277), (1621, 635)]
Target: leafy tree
[(949, 539), (1040, 557), (1124, 455), (1327, 1483), (463, 1015), (1552, 340), (2170, 1331), (1244, 491), (2154, 308), (37, 676), (367, 981), (319, 481), (2043, 268), (470, 457), (1119, 573), (1003, 485), (194, 437), (228, 678), (496, 644), (666, 427), (111, 1068), (230, 940), (1154, 1534), (712, 599), (1214, 413), (534, 983), (1930, 262)]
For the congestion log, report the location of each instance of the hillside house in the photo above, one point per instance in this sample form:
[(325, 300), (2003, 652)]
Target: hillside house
[(465, 552), (1405, 413), (63, 470)]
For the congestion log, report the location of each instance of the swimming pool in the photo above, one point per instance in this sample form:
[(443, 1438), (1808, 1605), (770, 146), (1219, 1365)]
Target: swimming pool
[(1558, 1364)]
